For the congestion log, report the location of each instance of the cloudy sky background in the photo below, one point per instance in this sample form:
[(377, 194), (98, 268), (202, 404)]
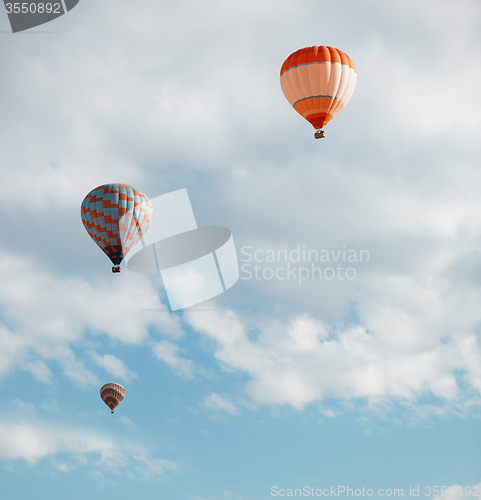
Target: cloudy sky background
[(373, 382)]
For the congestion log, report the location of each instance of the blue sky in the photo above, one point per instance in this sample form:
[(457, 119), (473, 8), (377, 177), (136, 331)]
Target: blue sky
[(371, 382)]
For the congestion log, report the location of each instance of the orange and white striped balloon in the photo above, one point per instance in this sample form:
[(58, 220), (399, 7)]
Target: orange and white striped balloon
[(318, 82)]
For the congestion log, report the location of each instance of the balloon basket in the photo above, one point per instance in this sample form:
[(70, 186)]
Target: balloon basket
[(116, 269), (112, 412), (319, 134)]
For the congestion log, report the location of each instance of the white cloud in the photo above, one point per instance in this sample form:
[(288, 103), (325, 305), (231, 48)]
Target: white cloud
[(40, 371), (58, 309), (25, 437), (168, 353), (46, 315), (114, 366), (72, 368), (32, 442), (128, 423), (12, 352), (216, 402), (303, 361), (61, 467)]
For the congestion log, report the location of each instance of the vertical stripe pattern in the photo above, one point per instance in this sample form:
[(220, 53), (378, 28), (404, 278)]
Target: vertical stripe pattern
[(318, 82), (116, 216)]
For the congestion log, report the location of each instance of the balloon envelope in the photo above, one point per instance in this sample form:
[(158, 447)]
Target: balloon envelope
[(318, 82), (112, 394), (116, 216)]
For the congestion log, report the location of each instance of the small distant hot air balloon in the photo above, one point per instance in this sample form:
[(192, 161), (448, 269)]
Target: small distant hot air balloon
[(318, 82), (112, 394), (116, 216)]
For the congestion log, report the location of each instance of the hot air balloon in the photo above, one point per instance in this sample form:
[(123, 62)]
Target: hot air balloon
[(112, 394), (318, 82), (116, 216)]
